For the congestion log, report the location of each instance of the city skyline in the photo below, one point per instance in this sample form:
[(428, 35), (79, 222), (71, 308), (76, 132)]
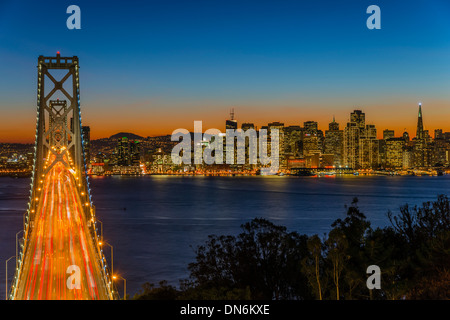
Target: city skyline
[(399, 129), (169, 64)]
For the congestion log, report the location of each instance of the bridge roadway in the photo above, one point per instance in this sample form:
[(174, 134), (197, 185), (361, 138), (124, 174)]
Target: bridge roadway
[(59, 239)]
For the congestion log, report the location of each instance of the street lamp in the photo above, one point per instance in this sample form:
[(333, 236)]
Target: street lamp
[(17, 247), (6, 282), (101, 229), (112, 257), (124, 285)]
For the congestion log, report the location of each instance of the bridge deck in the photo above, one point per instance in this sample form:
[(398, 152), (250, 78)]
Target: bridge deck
[(60, 238)]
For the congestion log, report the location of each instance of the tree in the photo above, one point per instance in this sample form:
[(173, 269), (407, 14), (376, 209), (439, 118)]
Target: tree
[(353, 229), (426, 232), (313, 264), (264, 258), (163, 292), (337, 246)]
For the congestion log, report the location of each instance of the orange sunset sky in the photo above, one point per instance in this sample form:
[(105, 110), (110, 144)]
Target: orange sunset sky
[(152, 118)]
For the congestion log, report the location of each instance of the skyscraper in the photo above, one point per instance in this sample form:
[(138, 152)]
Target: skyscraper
[(231, 123), (311, 139), (438, 134), (123, 152), (419, 142), (394, 153), (334, 143), (353, 132), (358, 117), (369, 147), (351, 145), (387, 134), (280, 127), (419, 132), (292, 141), (135, 155)]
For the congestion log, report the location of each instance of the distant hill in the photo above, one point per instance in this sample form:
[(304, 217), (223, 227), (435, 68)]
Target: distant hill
[(130, 136)]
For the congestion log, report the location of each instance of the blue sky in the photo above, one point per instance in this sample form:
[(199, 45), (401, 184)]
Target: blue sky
[(147, 63)]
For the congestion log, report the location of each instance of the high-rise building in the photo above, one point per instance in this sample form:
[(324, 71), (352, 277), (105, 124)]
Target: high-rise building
[(333, 126), (351, 145), (123, 152), (248, 165), (408, 157), (358, 117), (310, 127), (419, 132), (292, 142), (369, 148), (438, 152), (446, 136), (334, 143), (420, 143), (135, 155), (353, 132), (231, 123), (280, 127), (387, 134), (438, 134), (311, 139), (394, 153)]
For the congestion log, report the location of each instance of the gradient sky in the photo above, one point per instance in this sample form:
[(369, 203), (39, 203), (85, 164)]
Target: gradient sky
[(150, 67)]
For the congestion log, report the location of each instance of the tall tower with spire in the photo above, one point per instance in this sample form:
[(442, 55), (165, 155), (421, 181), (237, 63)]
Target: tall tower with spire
[(420, 160), (419, 132)]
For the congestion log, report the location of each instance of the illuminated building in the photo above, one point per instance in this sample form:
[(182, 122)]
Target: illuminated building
[(387, 134), (230, 124), (135, 155), (351, 145), (358, 117), (311, 141), (408, 158), (292, 142), (280, 127), (369, 148), (123, 152), (420, 159), (334, 143), (394, 153), (353, 132), (438, 134)]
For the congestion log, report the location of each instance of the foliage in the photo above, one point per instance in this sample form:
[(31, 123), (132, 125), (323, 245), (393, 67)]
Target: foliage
[(265, 261)]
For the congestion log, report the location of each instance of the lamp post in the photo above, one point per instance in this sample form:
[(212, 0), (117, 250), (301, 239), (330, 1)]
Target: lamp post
[(6, 282), (17, 248), (101, 229), (112, 257), (124, 285)]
